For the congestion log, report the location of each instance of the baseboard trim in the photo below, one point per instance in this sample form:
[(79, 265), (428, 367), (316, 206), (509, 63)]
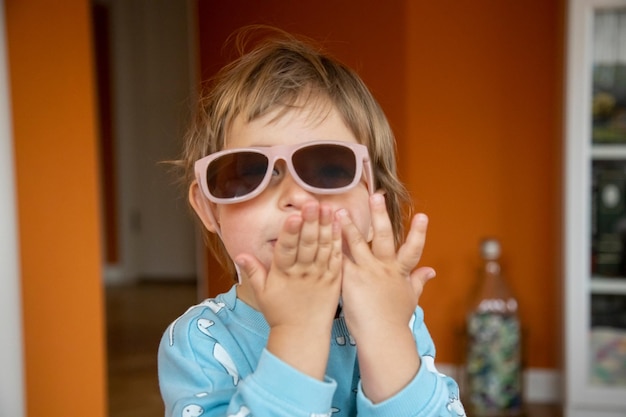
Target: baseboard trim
[(115, 275), (541, 386)]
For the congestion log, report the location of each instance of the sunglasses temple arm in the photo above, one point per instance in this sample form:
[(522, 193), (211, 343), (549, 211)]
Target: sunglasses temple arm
[(218, 231), (369, 176)]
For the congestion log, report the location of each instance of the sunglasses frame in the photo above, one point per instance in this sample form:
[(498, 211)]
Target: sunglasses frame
[(285, 152)]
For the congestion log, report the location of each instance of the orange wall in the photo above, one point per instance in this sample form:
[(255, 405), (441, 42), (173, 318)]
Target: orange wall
[(50, 65), (473, 91), (483, 155)]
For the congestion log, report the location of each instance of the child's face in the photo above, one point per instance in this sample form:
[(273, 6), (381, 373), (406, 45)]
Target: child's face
[(252, 226)]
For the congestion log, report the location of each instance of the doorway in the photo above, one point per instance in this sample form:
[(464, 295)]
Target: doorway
[(145, 72)]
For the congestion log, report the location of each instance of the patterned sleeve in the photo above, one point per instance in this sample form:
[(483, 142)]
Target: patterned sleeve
[(202, 374), (429, 394)]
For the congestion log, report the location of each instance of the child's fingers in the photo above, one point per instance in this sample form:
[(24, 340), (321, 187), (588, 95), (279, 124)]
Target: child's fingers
[(325, 240), (419, 277), (253, 269), (383, 244), (336, 255), (309, 233), (410, 252), (286, 249), (357, 243)]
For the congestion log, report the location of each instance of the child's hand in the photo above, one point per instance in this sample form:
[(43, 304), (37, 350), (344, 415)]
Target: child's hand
[(299, 294), (303, 283), (382, 286), (380, 291)]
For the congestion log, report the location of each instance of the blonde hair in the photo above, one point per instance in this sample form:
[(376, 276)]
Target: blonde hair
[(284, 70)]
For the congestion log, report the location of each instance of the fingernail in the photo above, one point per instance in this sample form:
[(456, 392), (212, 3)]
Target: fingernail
[(431, 274), (241, 262), (310, 209), (422, 218), (342, 213), (378, 199)]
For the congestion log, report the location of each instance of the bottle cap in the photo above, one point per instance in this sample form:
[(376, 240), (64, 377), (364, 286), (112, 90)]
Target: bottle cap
[(490, 249)]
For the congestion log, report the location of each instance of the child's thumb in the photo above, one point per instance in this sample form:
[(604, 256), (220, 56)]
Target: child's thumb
[(251, 268), (419, 277)]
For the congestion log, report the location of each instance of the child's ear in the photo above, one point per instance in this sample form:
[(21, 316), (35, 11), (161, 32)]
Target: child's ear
[(203, 208)]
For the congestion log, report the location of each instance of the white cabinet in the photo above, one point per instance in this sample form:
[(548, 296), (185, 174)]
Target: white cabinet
[(595, 210)]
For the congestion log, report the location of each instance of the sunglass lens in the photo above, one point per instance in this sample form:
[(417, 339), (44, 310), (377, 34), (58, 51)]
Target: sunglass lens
[(236, 174), (325, 166)]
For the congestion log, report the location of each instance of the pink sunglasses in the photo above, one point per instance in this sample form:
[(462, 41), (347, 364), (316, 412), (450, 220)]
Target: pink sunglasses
[(321, 167)]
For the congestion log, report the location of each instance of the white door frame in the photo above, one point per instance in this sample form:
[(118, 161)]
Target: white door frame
[(11, 360)]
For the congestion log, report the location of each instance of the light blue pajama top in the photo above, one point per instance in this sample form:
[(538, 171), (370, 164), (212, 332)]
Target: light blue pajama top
[(213, 362)]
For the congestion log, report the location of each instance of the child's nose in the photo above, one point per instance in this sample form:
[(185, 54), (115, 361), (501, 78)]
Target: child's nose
[(292, 195)]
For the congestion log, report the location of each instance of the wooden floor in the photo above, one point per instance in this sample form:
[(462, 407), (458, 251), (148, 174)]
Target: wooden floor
[(137, 316)]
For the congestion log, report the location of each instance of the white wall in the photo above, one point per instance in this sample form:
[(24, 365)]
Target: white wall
[(152, 80), (11, 360)]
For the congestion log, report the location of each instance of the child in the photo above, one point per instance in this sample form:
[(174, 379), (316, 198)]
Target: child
[(292, 171)]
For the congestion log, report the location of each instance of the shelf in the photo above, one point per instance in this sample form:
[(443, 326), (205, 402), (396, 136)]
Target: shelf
[(608, 285), (608, 152), (593, 36)]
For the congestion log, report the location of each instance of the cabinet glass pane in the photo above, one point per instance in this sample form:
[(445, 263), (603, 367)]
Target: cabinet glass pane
[(608, 219), (609, 76), (608, 340)]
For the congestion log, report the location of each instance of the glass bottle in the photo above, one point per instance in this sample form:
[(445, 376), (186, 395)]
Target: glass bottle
[(493, 371)]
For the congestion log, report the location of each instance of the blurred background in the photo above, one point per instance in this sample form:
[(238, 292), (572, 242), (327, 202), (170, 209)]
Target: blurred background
[(100, 93)]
